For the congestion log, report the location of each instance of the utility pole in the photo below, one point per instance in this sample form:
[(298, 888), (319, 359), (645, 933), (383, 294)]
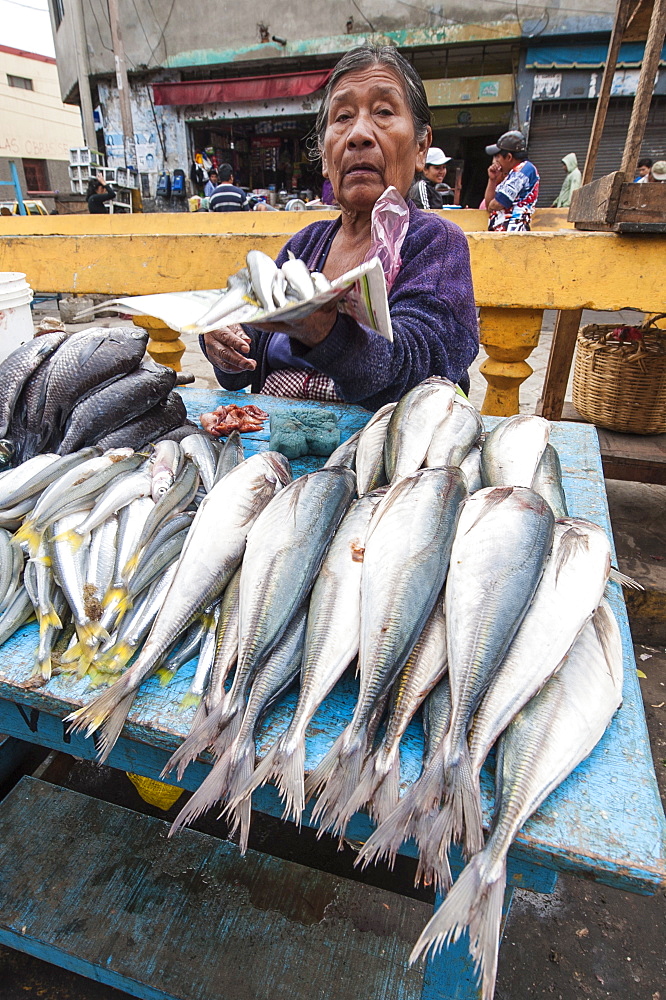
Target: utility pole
[(123, 85), (83, 72)]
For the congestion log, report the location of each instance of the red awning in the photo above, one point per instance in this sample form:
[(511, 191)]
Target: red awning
[(244, 88)]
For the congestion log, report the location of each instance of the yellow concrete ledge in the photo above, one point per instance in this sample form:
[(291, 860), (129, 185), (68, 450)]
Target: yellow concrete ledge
[(561, 270), (266, 223)]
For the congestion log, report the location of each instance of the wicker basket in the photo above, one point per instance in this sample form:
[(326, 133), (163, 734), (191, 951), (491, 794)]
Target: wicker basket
[(620, 377)]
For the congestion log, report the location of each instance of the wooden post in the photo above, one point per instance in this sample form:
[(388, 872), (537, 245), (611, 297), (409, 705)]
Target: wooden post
[(509, 337), (641, 107), (559, 363), (622, 13), (164, 345)]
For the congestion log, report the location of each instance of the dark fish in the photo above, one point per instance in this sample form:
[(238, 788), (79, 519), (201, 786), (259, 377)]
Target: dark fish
[(108, 408), (82, 364), (16, 369), (154, 424), (178, 433)]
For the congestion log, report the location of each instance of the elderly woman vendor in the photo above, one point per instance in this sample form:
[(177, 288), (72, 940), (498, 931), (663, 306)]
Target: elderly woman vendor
[(373, 131)]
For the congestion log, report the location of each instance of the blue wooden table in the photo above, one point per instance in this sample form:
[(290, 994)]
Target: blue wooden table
[(605, 822)]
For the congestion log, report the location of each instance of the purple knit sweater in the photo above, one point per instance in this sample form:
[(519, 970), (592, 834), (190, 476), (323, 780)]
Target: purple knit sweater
[(435, 330)]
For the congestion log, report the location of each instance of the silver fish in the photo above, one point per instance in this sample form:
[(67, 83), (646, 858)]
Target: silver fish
[(101, 559), (503, 540), (121, 491), (69, 570), (345, 454), (547, 481), (231, 455), (370, 451), (569, 593), (155, 562), (436, 718), (471, 469), (238, 296), (175, 500), (379, 784), (206, 565), (548, 739), (165, 463), (403, 574), (203, 451), (285, 549), (195, 692), (17, 613), (236, 761), (413, 423), (15, 558), (181, 651), (331, 643), (321, 282), (31, 478), (298, 279), (262, 274), (512, 450), (6, 563), (455, 436), (43, 662), (279, 289)]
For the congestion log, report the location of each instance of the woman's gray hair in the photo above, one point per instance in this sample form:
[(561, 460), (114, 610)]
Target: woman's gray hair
[(369, 55)]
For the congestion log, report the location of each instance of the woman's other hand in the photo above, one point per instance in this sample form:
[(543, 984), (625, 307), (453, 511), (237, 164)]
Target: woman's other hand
[(227, 348)]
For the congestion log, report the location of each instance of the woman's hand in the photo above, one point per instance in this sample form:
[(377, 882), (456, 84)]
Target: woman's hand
[(226, 349), (310, 330)]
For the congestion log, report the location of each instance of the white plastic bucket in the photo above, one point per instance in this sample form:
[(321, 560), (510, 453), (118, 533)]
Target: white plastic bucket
[(16, 326)]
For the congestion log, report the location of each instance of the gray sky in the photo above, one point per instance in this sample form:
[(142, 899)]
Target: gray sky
[(25, 24)]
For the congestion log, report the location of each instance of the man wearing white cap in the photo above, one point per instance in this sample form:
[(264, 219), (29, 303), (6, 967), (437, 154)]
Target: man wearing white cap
[(424, 192)]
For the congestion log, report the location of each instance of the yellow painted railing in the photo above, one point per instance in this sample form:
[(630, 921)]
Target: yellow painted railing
[(516, 276)]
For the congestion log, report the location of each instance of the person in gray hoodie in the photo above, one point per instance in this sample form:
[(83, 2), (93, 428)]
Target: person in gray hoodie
[(571, 182)]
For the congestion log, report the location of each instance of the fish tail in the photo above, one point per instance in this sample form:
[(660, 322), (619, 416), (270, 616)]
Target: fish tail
[(90, 634), (433, 872), (419, 801), (199, 739), (386, 794), (164, 676), (27, 535), (227, 732), (95, 715), (72, 537), (624, 580), (131, 565), (335, 805), (238, 811), (188, 700), (51, 618), (284, 764), (200, 715), (460, 816), (474, 903), (116, 658), (42, 668), (209, 793)]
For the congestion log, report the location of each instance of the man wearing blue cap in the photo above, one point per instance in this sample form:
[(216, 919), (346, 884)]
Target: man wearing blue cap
[(513, 185)]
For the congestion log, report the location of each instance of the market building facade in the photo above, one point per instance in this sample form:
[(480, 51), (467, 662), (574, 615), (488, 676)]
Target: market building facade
[(36, 128), (243, 84)]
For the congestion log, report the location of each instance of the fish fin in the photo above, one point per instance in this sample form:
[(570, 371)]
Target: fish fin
[(474, 902), (165, 676), (114, 595), (624, 580), (115, 658), (490, 501), (72, 537), (188, 700), (237, 811), (200, 715), (42, 668), (334, 807), (91, 634), (227, 733), (51, 618), (94, 715), (386, 794), (209, 793), (198, 739), (285, 765), (460, 816), (435, 872), (28, 535), (419, 801), (131, 564)]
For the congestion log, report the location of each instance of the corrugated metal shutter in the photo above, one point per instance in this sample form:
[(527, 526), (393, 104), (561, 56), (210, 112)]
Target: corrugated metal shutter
[(560, 127)]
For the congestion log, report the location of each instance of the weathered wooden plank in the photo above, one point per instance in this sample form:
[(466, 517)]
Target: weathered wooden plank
[(605, 820), (594, 205), (559, 363), (190, 919), (12, 752), (637, 458), (573, 269), (642, 203)]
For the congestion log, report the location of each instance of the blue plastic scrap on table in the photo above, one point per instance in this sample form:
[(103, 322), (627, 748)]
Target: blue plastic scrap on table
[(605, 821)]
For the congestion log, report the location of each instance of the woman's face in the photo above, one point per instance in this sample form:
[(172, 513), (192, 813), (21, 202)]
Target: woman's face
[(369, 142)]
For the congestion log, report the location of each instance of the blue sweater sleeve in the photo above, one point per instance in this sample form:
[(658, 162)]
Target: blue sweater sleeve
[(435, 329)]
